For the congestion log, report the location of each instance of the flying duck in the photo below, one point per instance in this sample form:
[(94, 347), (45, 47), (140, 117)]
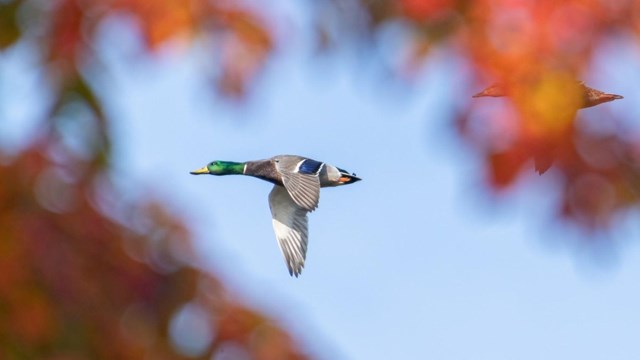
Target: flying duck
[(297, 181)]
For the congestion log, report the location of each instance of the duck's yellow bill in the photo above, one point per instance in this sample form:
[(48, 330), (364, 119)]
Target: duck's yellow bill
[(202, 170)]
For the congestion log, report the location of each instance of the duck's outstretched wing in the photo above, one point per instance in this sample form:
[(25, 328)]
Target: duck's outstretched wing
[(290, 225), (300, 178)]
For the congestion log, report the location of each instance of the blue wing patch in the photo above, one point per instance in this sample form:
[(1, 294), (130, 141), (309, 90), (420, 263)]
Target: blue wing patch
[(310, 167)]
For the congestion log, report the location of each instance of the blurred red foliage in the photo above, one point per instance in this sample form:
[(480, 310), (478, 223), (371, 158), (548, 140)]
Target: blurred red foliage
[(538, 49), (71, 27), (75, 283), (83, 273)]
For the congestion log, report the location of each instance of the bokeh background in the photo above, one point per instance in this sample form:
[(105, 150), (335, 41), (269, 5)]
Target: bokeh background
[(451, 247)]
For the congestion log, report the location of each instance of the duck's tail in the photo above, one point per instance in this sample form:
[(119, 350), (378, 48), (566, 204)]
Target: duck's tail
[(346, 178)]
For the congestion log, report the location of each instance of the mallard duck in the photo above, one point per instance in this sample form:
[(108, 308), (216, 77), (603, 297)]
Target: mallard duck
[(297, 181), (590, 97)]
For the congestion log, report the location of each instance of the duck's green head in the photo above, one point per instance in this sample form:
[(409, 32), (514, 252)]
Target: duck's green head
[(220, 168)]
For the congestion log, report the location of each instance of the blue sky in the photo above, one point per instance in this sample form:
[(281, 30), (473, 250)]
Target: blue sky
[(416, 261)]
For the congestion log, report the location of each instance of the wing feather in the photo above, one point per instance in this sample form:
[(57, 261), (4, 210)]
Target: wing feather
[(303, 188), (291, 228)]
